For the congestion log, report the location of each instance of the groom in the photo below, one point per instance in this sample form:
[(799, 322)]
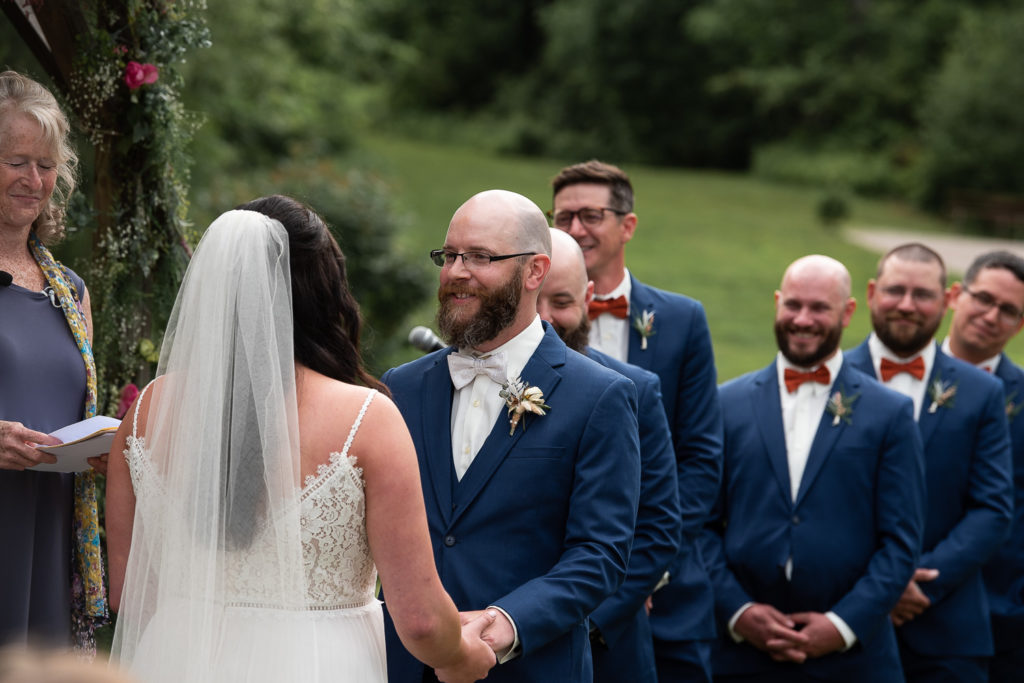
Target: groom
[(530, 511)]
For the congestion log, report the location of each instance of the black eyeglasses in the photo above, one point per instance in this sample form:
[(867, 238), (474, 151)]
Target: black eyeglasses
[(470, 259), (589, 216), (985, 302)]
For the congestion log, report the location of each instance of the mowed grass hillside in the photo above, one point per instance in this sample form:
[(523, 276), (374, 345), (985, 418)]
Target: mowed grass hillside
[(723, 239)]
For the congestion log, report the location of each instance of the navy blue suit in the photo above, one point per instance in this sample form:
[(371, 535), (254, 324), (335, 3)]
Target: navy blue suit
[(541, 523), (1004, 573), (628, 652), (680, 353), (853, 533), (969, 507)]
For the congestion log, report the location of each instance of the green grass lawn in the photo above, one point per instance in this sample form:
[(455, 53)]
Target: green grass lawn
[(724, 239)]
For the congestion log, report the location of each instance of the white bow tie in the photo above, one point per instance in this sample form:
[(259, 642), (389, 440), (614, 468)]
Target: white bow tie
[(465, 368)]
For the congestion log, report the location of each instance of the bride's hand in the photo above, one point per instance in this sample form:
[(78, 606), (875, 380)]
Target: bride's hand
[(478, 657)]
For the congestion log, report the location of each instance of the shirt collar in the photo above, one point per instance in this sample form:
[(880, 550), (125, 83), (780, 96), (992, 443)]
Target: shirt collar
[(519, 348), (833, 364), (989, 364), (879, 351)]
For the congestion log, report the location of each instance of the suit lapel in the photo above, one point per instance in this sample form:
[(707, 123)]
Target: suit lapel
[(827, 434), (1011, 388), (945, 370), (640, 301), (767, 410), (436, 401), (540, 372)]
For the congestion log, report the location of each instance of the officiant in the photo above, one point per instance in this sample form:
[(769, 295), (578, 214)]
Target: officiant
[(47, 380)]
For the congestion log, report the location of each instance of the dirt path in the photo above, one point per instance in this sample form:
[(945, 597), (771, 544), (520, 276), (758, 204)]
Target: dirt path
[(956, 250)]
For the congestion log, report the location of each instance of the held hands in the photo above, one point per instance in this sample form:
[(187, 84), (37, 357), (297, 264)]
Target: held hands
[(771, 631), (788, 637), (479, 657), (913, 602), (16, 453)]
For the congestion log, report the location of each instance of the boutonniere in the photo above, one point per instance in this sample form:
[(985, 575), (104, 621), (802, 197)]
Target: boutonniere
[(941, 393), (522, 398), (1012, 408), (644, 324), (840, 407)]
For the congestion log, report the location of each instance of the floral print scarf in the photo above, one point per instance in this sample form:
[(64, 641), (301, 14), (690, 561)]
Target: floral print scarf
[(88, 595)]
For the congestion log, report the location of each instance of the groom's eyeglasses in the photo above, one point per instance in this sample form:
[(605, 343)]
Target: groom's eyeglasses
[(470, 259)]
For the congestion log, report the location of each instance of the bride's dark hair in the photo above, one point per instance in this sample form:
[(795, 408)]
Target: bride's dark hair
[(325, 314)]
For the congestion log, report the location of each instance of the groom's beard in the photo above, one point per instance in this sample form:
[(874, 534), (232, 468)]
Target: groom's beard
[(578, 337), (497, 309)]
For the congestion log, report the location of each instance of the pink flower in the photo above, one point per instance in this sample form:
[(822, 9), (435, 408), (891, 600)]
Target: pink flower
[(135, 74), (128, 395)]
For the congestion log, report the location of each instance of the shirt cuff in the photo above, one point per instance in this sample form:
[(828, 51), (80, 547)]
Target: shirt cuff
[(849, 637), (515, 650), (736, 617)]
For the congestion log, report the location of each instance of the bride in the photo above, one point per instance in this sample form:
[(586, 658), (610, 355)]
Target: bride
[(263, 486)]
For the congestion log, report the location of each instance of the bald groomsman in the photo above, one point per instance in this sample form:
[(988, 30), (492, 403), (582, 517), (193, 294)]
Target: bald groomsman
[(942, 617), (818, 523), (987, 313), (667, 334), (621, 631)]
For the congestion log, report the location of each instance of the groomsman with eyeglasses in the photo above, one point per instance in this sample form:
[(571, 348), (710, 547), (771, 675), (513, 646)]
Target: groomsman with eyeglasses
[(988, 311), (942, 617), (667, 334)]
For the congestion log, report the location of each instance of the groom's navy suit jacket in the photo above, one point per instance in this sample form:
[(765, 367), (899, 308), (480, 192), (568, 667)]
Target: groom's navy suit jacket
[(853, 532), (1004, 573), (622, 618), (542, 521), (680, 353), (969, 506)]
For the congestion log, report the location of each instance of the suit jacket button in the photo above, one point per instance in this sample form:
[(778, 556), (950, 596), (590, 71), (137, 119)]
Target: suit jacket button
[(796, 519), (449, 540)]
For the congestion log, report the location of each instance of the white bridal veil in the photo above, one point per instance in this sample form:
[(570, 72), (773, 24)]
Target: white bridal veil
[(217, 512)]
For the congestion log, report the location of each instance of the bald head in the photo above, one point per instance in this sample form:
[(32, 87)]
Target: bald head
[(567, 261), (521, 223), (812, 307), (821, 269)]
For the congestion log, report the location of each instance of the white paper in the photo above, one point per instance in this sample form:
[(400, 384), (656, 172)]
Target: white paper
[(82, 440)]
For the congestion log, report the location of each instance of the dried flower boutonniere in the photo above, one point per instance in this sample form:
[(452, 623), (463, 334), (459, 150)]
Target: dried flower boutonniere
[(644, 324), (840, 407), (941, 393), (1012, 408), (521, 398)]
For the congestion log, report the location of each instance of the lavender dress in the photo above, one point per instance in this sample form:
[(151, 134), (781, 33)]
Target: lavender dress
[(42, 385)]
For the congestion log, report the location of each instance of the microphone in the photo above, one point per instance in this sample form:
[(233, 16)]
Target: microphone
[(5, 278), (424, 339)]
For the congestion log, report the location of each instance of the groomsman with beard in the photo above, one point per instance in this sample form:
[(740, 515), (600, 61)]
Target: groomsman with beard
[(987, 313), (667, 334), (528, 452), (818, 522), (621, 631), (942, 616)]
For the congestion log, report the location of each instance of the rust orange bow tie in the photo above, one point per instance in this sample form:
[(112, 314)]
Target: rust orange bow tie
[(794, 378), (619, 307), (889, 369)]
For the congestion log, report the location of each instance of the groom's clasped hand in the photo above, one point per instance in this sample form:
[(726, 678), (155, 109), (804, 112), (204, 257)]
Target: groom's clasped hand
[(479, 638)]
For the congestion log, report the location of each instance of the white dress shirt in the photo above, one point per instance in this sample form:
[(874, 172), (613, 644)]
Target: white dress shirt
[(988, 365), (802, 411), (608, 334), (477, 406), (904, 382)]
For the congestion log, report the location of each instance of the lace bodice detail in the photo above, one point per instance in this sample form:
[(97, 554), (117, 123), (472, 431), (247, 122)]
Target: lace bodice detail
[(339, 570)]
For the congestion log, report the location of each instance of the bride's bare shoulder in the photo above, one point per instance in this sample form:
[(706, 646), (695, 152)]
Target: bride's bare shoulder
[(329, 407)]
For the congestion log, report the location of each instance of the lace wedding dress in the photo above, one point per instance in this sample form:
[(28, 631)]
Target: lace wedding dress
[(334, 632)]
